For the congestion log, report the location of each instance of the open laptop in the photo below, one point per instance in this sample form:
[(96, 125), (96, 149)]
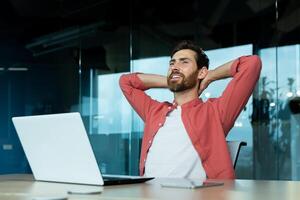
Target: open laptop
[(58, 150)]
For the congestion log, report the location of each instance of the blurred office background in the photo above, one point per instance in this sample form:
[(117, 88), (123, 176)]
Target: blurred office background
[(67, 56)]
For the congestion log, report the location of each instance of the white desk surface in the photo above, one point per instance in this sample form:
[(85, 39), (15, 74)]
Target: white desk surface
[(19, 187)]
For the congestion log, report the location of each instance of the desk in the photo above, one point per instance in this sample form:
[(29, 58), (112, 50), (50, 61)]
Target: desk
[(19, 187)]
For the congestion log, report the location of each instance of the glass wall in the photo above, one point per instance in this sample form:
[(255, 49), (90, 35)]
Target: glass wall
[(275, 126), (31, 89), (66, 56)]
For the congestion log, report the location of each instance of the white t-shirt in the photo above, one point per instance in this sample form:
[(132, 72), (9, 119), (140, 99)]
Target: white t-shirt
[(172, 153)]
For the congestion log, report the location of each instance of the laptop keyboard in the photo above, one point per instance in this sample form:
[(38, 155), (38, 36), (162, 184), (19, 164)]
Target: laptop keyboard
[(108, 178)]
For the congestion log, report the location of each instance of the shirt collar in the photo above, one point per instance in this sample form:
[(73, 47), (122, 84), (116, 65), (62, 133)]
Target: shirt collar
[(191, 103)]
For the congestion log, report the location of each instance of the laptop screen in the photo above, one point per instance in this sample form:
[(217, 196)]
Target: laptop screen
[(58, 149)]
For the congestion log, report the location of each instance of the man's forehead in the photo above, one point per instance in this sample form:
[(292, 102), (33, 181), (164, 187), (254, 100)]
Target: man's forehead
[(185, 53)]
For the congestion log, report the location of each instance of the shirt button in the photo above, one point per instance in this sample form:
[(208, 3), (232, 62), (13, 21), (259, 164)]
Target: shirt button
[(159, 124), (169, 107), (150, 141), (144, 160)]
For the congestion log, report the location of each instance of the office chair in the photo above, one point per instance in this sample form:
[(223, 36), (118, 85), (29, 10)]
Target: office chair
[(234, 148)]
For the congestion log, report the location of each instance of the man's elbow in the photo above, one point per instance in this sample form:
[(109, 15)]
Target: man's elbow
[(123, 80), (256, 62)]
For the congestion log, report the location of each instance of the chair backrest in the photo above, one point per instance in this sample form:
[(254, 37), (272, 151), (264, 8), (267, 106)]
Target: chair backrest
[(234, 150)]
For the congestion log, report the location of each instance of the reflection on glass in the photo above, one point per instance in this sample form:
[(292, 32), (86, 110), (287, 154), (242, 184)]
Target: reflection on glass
[(274, 128), (114, 112)]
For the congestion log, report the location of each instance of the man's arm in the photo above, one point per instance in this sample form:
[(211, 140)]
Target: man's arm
[(218, 73), (153, 80), (245, 72), (133, 87)]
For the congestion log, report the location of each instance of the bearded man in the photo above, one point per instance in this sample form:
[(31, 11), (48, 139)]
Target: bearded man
[(186, 138)]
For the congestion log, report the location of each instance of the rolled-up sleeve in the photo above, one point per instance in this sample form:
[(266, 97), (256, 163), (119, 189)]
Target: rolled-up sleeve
[(134, 91), (245, 72)]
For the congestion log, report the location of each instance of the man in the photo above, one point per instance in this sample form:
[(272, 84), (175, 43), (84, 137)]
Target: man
[(186, 138)]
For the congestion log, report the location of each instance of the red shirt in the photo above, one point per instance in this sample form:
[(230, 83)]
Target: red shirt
[(207, 123)]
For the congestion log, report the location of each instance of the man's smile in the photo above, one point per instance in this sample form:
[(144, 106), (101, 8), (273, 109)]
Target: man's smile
[(175, 76)]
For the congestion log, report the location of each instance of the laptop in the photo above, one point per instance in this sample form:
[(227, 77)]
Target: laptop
[(58, 150)]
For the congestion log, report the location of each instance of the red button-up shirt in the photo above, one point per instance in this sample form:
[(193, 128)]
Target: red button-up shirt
[(207, 123)]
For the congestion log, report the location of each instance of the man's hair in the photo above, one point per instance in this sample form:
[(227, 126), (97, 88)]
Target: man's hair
[(201, 58)]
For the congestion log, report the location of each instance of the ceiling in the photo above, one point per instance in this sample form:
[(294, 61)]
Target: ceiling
[(215, 23)]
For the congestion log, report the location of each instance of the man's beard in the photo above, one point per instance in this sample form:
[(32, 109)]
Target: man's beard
[(186, 82)]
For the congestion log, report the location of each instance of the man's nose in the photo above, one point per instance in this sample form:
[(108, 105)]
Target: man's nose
[(175, 67)]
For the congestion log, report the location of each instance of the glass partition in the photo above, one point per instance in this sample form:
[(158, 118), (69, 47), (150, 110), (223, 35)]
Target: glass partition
[(276, 127)]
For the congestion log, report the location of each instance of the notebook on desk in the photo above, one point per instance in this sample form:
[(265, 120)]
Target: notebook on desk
[(58, 150)]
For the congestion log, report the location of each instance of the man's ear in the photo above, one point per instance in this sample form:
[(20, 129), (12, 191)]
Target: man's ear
[(202, 73)]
